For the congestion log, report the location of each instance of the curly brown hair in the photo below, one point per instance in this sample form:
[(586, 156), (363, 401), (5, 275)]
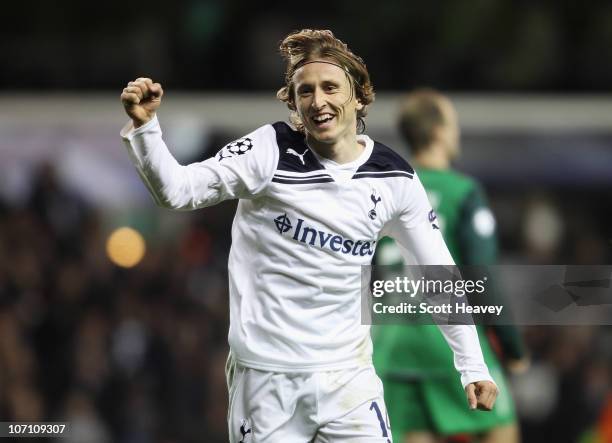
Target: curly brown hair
[(306, 45)]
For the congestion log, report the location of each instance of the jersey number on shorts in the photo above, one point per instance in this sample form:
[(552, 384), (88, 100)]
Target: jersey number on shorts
[(383, 426)]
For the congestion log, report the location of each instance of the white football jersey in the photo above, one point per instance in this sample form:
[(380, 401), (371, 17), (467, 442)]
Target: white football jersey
[(303, 228)]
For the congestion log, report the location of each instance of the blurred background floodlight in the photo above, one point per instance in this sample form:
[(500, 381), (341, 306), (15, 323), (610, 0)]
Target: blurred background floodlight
[(125, 247)]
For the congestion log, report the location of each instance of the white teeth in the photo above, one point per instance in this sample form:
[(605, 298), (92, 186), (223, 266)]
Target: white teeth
[(322, 117)]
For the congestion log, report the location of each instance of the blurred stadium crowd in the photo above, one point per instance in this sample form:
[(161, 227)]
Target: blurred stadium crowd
[(124, 355)]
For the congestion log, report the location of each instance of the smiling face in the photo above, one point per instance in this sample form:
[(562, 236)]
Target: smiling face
[(326, 103)]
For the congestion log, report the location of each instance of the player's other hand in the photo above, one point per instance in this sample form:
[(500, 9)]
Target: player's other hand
[(141, 98), (481, 395)]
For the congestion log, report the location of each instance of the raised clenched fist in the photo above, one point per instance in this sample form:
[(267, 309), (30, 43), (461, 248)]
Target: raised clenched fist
[(141, 98)]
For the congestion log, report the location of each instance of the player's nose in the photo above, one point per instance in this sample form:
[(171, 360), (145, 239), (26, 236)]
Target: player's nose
[(318, 99)]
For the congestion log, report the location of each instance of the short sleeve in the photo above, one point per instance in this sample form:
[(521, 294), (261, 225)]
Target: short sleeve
[(476, 230)]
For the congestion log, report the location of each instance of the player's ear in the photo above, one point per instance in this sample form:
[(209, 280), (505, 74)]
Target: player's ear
[(440, 134), (360, 105)]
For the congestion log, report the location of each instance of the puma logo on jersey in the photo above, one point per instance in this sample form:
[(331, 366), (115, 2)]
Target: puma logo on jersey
[(297, 154), (245, 430), (375, 200)]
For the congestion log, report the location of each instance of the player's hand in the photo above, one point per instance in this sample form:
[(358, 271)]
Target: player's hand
[(481, 395), (141, 98)]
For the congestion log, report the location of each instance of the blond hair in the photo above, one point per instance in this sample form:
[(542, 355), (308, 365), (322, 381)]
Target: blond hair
[(421, 115), (306, 45)]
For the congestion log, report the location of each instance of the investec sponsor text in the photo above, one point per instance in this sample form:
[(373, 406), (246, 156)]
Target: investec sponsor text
[(326, 240)]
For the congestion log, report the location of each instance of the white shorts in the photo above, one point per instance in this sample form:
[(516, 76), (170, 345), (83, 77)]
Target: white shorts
[(319, 407)]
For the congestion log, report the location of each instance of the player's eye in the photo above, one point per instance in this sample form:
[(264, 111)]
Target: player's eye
[(304, 91), (331, 88)]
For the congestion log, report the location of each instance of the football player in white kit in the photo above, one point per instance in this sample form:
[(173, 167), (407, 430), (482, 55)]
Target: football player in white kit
[(314, 198)]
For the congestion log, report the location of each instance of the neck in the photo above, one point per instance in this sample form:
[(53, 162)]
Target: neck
[(345, 150), (432, 157)]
